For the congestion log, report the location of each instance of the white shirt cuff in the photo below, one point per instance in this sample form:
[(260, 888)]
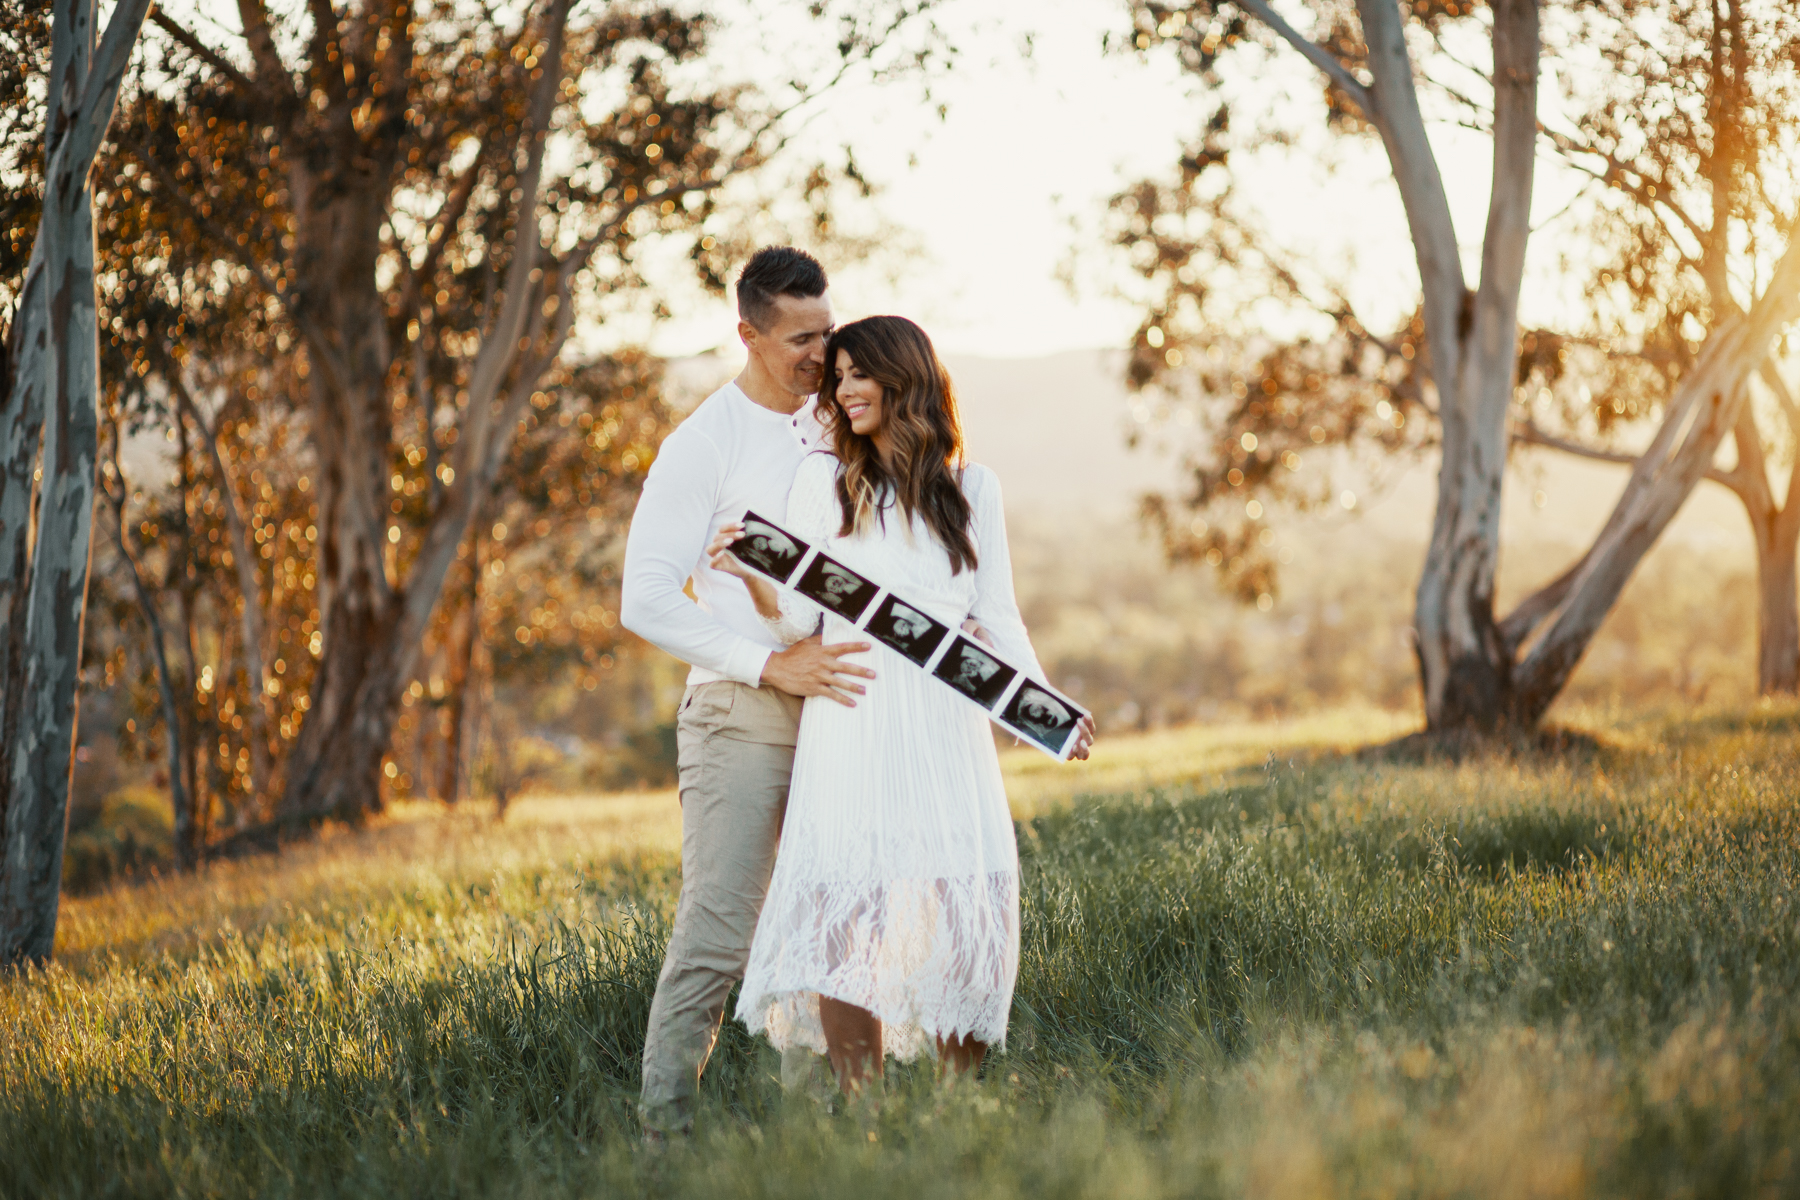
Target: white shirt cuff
[(747, 663)]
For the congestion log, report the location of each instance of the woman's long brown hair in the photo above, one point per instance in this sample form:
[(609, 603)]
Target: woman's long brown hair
[(919, 417)]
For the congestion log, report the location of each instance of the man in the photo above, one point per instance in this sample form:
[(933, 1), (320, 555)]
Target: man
[(740, 715)]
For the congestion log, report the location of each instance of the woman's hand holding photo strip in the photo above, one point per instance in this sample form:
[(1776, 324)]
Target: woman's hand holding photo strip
[(1029, 709), (769, 548), (1036, 714)]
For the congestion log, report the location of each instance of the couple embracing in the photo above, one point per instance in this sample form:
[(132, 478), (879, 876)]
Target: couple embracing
[(888, 921)]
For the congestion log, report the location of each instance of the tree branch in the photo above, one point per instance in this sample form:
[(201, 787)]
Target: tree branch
[(1531, 611), (1528, 433), (111, 478), (255, 19), (241, 550), (206, 54), (1750, 477), (1315, 54), (316, 337), (100, 91), (223, 242), (1616, 176), (1784, 395), (501, 344), (447, 220)]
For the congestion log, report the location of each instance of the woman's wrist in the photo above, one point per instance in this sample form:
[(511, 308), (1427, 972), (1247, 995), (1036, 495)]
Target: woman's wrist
[(762, 594)]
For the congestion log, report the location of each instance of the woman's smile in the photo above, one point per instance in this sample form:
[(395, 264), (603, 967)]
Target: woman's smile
[(860, 397)]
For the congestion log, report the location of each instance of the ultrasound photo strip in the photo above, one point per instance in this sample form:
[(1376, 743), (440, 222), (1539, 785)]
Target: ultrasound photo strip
[(1027, 708)]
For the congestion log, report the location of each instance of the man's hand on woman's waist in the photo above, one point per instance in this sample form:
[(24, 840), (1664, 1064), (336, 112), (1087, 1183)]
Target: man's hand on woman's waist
[(811, 668)]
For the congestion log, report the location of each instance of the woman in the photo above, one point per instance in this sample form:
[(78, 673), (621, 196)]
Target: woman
[(892, 920)]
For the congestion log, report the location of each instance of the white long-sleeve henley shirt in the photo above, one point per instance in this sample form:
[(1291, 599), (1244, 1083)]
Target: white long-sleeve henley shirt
[(729, 455)]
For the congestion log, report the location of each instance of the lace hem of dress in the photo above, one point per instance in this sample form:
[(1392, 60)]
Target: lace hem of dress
[(930, 957)]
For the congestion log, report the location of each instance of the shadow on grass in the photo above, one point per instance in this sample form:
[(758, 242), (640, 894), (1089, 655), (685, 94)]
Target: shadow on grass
[(1773, 717), (1545, 744), (1495, 845)]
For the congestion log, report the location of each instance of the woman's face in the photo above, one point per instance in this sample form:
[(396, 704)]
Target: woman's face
[(859, 397)]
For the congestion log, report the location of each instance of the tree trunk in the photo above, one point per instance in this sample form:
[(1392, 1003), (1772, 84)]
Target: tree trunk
[(1775, 531), (459, 658), (243, 561), (374, 621), (63, 357), (187, 843), (56, 601), (1472, 337), (21, 430), (335, 768), (1778, 618)]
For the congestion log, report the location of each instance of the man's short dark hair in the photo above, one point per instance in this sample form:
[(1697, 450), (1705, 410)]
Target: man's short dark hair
[(776, 271)]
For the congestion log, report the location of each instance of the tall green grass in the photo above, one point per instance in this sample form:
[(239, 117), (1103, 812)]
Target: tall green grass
[(1327, 973)]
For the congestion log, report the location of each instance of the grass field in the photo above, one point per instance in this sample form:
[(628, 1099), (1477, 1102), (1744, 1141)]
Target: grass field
[(1257, 962)]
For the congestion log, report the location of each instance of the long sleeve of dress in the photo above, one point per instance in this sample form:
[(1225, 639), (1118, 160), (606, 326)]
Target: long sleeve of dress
[(996, 607), (811, 515)]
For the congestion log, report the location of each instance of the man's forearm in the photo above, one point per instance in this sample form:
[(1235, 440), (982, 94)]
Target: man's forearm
[(680, 628)]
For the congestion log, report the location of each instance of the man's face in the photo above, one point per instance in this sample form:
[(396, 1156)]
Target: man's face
[(792, 348)]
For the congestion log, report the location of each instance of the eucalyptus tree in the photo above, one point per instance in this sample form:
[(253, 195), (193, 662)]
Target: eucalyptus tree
[(1692, 151), (424, 196), (1447, 377), (48, 446)]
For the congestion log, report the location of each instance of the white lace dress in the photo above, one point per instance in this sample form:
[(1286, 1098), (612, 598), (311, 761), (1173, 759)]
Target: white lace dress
[(896, 887)]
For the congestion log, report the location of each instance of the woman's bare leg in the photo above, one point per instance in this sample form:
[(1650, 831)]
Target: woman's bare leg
[(960, 1055), (853, 1040)]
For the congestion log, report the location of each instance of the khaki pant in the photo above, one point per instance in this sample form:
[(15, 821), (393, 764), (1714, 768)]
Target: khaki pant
[(736, 747)]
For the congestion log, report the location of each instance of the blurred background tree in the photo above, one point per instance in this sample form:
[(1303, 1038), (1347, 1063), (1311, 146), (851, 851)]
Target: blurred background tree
[(361, 237), (1692, 150), (533, 607), (1272, 363)]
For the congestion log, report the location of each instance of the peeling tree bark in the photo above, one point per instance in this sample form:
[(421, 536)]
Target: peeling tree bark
[(53, 396)]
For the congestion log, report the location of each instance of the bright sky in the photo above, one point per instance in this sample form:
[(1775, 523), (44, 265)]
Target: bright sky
[(998, 193), (987, 192)]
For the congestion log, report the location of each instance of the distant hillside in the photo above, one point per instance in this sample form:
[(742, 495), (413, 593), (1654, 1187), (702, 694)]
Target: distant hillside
[(1054, 430)]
